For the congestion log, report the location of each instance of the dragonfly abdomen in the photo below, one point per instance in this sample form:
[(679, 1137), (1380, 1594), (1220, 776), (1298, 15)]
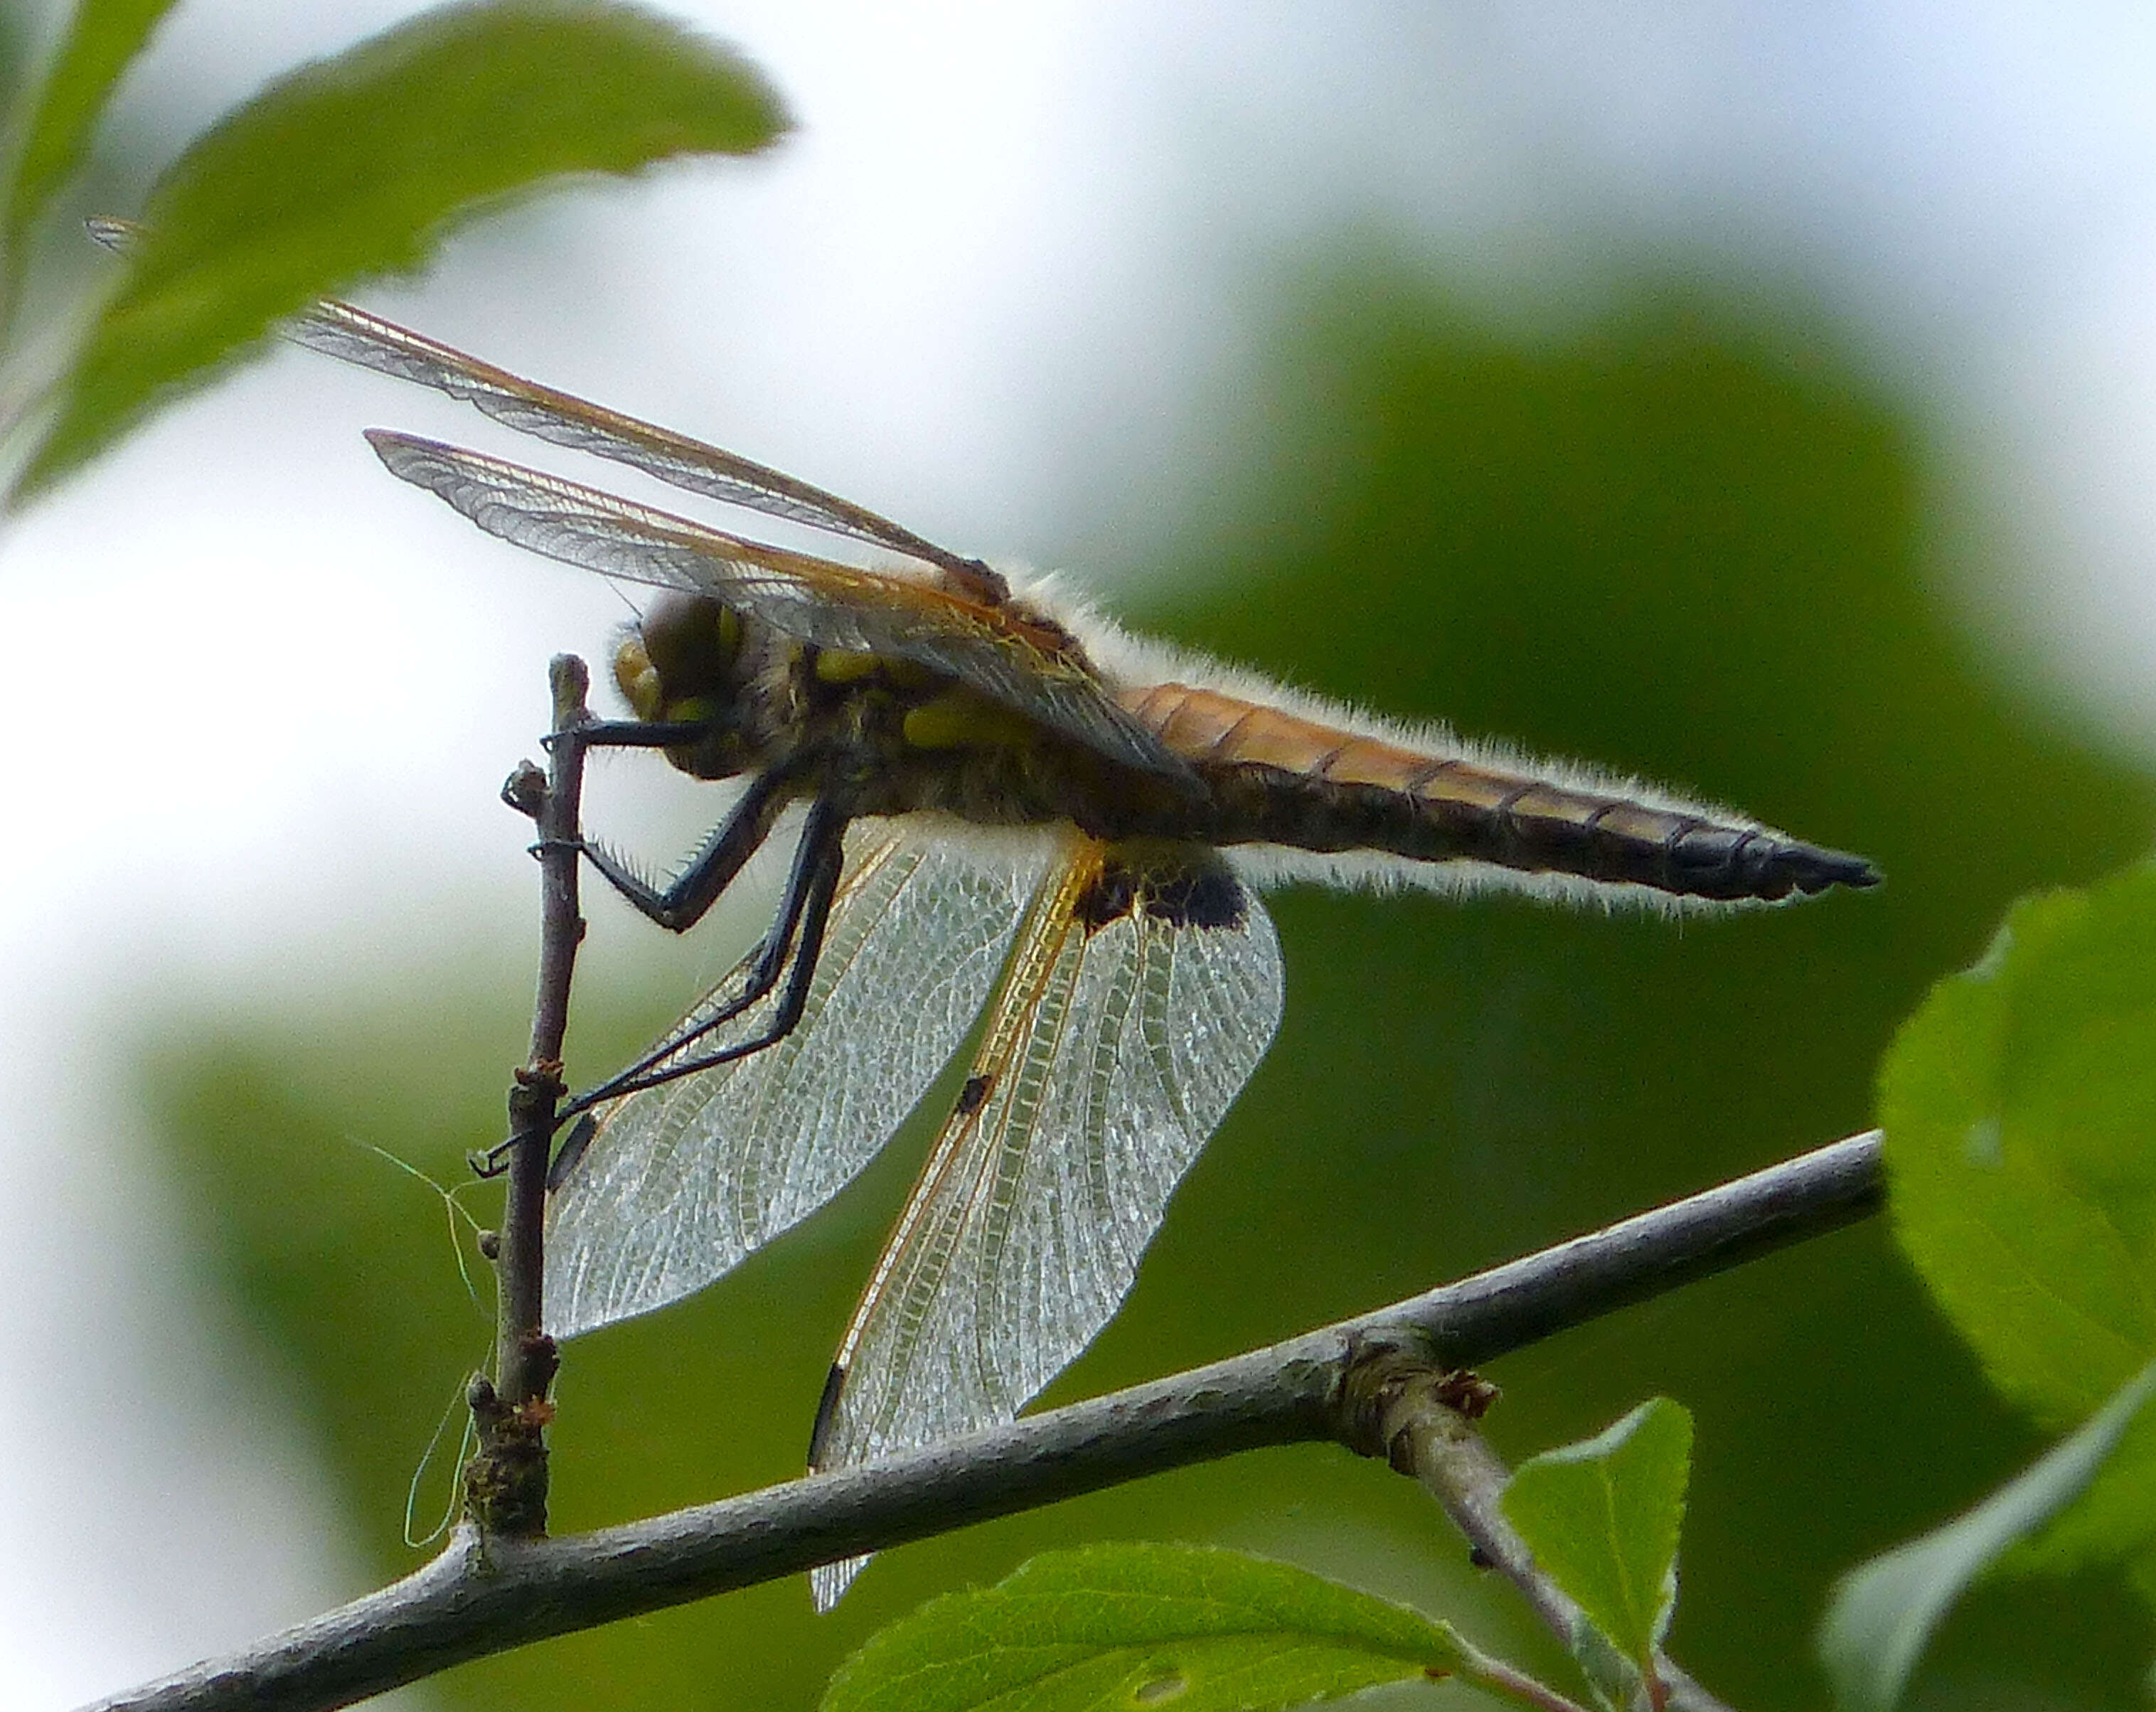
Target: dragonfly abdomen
[(1280, 778)]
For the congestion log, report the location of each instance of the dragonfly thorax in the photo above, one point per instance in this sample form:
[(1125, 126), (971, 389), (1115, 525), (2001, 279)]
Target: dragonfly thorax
[(875, 733)]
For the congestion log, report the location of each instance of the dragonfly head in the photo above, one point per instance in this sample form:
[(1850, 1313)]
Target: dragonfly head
[(681, 663)]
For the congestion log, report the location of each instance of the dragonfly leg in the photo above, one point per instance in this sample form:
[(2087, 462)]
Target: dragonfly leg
[(682, 904), (803, 914), (633, 734), (571, 1151)]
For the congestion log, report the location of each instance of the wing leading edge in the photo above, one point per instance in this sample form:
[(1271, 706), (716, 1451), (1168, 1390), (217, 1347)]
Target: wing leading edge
[(1000, 651)]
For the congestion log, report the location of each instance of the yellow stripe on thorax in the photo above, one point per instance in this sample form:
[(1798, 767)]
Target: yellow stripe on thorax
[(958, 718)]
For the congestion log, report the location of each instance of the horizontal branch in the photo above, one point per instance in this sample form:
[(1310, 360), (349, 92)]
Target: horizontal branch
[(480, 1597)]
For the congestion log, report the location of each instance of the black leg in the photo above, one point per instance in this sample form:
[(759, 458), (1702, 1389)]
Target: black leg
[(682, 904), (571, 1151), (635, 734), (819, 860)]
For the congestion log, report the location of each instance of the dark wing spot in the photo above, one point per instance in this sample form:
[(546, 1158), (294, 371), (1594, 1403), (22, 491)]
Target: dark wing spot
[(1180, 885), (1202, 895), (1107, 897), (974, 1095)]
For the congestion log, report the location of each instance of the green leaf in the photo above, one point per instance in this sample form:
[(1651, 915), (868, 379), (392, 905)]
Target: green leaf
[(358, 165), (1603, 1518), (2020, 1107), (1883, 1613), (1136, 1626), (103, 38)]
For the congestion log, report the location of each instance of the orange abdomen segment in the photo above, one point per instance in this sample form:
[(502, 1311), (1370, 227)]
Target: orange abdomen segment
[(1279, 778)]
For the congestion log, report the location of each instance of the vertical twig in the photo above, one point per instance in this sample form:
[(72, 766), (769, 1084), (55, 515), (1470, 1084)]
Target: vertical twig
[(505, 1482)]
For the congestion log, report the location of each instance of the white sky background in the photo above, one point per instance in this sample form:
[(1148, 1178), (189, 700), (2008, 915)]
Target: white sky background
[(265, 694)]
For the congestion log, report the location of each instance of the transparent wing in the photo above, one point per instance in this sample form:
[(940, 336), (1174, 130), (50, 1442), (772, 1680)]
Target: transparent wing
[(683, 1180), (999, 651), (1115, 1048), (339, 329), (355, 337)]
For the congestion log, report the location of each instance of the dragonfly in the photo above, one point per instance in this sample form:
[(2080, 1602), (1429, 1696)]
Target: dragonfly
[(1005, 814)]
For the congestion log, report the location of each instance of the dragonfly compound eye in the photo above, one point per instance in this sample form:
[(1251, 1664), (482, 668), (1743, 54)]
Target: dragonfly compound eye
[(684, 649)]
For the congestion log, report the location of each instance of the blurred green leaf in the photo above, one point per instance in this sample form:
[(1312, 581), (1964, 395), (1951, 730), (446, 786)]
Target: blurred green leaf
[(1884, 1611), (1603, 1518), (1196, 1628), (2020, 1107), (103, 38), (360, 164)]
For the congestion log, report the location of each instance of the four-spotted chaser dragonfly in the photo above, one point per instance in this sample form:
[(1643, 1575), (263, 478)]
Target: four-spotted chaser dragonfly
[(995, 801)]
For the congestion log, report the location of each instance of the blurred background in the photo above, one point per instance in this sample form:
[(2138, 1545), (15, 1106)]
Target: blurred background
[(1756, 400)]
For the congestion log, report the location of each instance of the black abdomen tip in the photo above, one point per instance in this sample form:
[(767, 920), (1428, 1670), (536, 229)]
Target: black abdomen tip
[(1812, 869), (1775, 867), (1733, 864)]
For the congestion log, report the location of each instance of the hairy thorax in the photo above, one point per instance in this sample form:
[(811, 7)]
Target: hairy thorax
[(884, 736)]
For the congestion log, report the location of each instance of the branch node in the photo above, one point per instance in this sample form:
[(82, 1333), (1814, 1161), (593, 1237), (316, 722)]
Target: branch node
[(525, 790), (1382, 1363), (538, 1081)]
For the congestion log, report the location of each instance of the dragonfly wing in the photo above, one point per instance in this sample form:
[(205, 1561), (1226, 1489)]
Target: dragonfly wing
[(341, 330), (1006, 655), (1138, 999), (682, 1180)]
